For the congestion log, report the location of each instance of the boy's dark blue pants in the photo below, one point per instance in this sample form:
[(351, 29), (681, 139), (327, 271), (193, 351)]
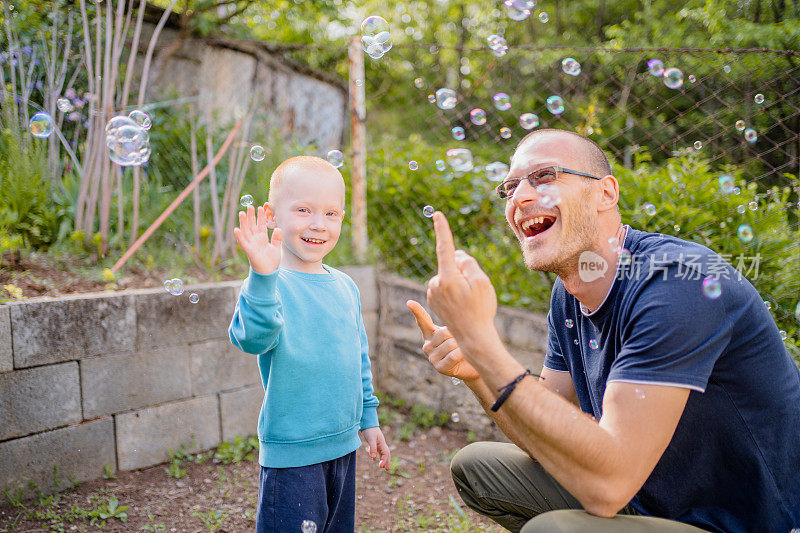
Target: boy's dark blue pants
[(324, 493)]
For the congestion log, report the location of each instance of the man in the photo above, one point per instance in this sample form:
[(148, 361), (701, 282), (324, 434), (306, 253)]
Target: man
[(667, 401)]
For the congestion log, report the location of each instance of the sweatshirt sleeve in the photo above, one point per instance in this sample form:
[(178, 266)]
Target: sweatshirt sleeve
[(369, 415), (257, 321)]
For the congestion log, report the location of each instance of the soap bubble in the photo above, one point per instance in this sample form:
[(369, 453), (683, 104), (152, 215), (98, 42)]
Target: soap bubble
[(64, 105), (505, 132), (543, 17), (428, 211), (460, 159), (753, 206), (726, 69), (639, 393), (740, 125), (759, 98), (458, 133), (649, 209), (549, 195), (712, 288), (783, 335), (194, 298), (502, 102), (308, 526), (496, 171), (455, 381), (613, 242), (593, 344), (141, 119), (698, 145), (624, 256), (673, 78), (115, 123), (454, 417), (797, 311), (432, 98), (569, 323), (570, 66), (257, 153), (413, 165), (440, 165), (750, 135), (335, 158), (741, 209), (376, 38), (128, 144), (446, 98), (519, 9), (555, 104), (726, 183), (419, 83), (498, 45), (174, 286), (528, 121), (745, 233), (655, 67), (478, 116), (692, 78), (575, 341), (41, 125), (768, 305), (246, 200)]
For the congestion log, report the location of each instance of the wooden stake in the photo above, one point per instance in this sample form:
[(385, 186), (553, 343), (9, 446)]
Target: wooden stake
[(358, 144)]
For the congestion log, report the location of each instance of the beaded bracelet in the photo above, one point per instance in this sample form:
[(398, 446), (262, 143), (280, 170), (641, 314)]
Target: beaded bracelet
[(506, 391)]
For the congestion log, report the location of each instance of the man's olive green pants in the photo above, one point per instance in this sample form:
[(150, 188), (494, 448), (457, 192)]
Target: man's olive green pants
[(501, 481)]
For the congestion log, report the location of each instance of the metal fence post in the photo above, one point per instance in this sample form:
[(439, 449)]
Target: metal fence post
[(358, 147)]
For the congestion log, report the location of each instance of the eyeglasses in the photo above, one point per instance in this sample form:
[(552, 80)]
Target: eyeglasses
[(542, 176)]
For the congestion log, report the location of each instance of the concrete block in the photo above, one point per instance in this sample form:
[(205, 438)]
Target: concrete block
[(37, 399), (240, 410), (525, 330), (118, 383), (167, 320), (364, 277), (145, 437), (80, 451), (52, 330), (6, 354), (217, 366)]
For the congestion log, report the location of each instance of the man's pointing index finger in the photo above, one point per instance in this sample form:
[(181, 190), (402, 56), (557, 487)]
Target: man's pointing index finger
[(445, 249)]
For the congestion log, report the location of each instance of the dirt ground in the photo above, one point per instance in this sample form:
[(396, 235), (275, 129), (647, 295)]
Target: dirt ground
[(416, 495)]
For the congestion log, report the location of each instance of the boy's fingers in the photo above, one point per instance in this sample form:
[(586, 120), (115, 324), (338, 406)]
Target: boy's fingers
[(261, 219), (277, 237), (424, 320), (445, 249)]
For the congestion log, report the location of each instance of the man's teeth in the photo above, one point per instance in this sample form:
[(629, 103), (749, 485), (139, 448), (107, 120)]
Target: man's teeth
[(528, 223)]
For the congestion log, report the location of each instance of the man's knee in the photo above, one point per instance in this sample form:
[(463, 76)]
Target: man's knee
[(464, 460)]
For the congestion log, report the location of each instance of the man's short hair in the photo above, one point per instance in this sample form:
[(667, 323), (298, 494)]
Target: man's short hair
[(592, 158)]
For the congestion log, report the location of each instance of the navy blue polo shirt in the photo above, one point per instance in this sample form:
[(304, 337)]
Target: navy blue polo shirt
[(733, 463)]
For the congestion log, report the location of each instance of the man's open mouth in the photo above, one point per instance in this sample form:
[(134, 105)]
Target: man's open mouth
[(309, 240), (536, 225)]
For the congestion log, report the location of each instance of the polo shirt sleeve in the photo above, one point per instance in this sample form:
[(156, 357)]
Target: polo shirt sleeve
[(554, 358), (672, 333)]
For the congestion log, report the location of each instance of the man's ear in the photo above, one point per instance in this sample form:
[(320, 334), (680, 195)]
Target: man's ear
[(270, 216)]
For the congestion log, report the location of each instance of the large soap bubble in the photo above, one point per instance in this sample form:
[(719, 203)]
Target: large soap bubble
[(460, 159), (41, 125), (376, 39)]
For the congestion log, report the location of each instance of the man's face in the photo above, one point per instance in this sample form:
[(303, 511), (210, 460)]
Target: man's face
[(551, 237), (309, 210)]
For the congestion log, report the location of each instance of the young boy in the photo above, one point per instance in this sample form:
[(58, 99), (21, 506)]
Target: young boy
[(303, 320)]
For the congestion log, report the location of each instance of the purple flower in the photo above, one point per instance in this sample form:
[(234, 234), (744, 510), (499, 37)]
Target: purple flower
[(74, 116), (70, 93)]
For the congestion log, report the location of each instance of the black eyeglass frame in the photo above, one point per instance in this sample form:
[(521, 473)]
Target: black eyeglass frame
[(528, 177)]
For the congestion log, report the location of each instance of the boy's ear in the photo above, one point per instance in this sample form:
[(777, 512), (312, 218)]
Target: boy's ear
[(270, 216)]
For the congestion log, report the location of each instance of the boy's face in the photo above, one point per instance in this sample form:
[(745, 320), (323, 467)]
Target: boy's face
[(309, 209)]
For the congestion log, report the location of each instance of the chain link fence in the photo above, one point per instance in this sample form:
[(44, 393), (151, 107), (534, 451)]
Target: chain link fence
[(673, 128)]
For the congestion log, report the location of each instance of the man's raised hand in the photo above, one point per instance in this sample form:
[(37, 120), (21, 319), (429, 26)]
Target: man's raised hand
[(252, 235), (440, 346)]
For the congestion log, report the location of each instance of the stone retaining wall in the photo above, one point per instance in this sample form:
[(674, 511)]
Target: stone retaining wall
[(118, 379)]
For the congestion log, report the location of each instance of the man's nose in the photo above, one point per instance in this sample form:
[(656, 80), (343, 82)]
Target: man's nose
[(524, 193)]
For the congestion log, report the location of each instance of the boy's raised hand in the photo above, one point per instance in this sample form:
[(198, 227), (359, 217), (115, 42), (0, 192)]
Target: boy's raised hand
[(376, 445), (253, 236)]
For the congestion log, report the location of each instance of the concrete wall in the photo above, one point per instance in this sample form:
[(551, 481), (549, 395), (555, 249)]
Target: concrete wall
[(120, 378)]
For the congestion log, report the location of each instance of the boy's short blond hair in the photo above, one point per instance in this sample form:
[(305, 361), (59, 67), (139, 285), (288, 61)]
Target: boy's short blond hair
[(300, 161)]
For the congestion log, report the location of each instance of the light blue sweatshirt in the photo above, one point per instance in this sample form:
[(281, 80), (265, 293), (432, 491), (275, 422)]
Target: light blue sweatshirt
[(314, 361)]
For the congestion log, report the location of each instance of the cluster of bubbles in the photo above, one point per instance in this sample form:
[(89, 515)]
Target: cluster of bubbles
[(257, 153), (376, 39), (335, 158), (498, 45), (519, 9), (570, 66), (246, 200), (174, 286), (672, 76), (128, 140)]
